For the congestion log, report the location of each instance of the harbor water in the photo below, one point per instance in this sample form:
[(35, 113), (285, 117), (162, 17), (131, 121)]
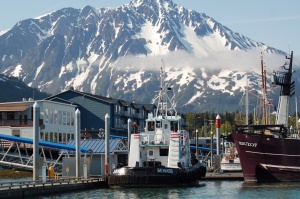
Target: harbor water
[(211, 189)]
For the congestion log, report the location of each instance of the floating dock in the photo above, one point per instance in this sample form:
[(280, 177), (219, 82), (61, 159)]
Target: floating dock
[(26, 189), (223, 176)]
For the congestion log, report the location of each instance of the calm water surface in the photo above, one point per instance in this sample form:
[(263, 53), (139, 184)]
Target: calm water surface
[(212, 189)]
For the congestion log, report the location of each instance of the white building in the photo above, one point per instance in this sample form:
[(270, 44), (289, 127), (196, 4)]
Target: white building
[(56, 120)]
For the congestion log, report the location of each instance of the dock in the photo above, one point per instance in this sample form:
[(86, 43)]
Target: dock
[(26, 189), (223, 176)]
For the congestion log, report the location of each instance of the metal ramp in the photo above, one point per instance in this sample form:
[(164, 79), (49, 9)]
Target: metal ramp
[(16, 152)]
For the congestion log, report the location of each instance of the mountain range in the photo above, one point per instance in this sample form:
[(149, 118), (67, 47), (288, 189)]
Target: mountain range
[(117, 52), (14, 89)]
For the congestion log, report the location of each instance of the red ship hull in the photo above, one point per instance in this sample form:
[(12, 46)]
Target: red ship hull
[(268, 159)]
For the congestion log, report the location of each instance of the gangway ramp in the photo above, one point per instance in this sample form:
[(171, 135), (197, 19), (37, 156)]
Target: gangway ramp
[(13, 157)]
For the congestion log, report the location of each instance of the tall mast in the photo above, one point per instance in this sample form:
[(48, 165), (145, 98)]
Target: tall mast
[(165, 105), (264, 90), (284, 79), (247, 104)]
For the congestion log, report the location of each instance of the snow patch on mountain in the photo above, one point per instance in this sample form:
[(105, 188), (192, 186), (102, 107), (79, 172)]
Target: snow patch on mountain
[(195, 97), (153, 39), (17, 71), (38, 70), (2, 32)]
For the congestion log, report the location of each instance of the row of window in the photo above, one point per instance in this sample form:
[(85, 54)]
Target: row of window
[(52, 116), (129, 110), (119, 123), (174, 125)]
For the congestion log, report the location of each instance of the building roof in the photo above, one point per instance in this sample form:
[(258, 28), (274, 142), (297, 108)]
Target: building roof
[(124, 103), (149, 106), (13, 108), (102, 98), (105, 99), (98, 145), (58, 99), (138, 106)]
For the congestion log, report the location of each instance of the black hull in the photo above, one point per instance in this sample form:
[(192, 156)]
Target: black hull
[(268, 159), (149, 177)]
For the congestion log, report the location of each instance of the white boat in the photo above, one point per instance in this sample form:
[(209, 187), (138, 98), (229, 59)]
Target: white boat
[(161, 155), (230, 159)]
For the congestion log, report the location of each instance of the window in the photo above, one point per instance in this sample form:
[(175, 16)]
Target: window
[(10, 116), (164, 152), (166, 126), (72, 118), (46, 115), (158, 124), (50, 116), (59, 117), (151, 126), (55, 115), (174, 126), (116, 122), (116, 108), (150, 152), (64, 118), (68, 118)]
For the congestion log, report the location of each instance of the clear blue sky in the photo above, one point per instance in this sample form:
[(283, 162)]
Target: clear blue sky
[(273, 22)]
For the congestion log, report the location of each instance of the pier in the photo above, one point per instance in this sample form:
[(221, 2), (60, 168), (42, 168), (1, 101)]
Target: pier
[(26, 189), (223, 176)]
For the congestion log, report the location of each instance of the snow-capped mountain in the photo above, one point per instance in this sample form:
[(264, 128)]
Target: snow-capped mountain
[(118, 52)]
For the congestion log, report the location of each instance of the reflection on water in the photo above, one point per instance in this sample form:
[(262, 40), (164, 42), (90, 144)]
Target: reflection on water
[(271, 184), (212, 189)]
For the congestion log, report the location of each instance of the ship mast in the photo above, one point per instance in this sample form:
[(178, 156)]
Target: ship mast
[(284, 79), (264, 90), (163, 98)]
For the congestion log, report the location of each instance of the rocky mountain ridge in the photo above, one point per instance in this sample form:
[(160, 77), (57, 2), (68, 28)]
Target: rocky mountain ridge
[(117, 52)]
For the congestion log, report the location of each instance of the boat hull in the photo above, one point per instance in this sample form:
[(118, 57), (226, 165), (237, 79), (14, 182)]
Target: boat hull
[(128, 177), (267, 159)]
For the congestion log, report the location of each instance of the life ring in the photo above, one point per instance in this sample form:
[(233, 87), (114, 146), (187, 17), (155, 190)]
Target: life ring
[(226, 157), (232, 156)]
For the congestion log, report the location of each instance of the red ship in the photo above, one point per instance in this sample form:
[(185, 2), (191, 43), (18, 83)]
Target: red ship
[(270, 153)]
